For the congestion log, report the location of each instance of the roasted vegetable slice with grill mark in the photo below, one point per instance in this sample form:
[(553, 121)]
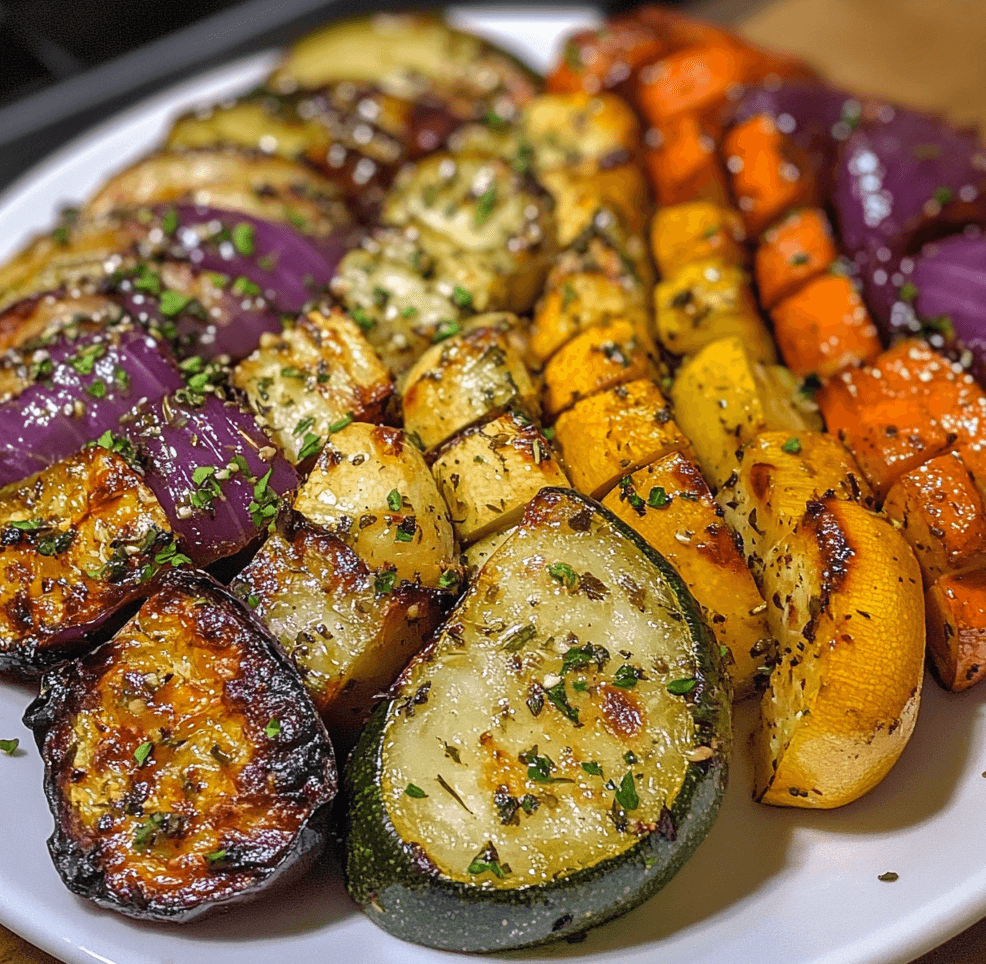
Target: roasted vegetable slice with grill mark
[(185, 765), (77, 543), (555, 757), (348, 630)]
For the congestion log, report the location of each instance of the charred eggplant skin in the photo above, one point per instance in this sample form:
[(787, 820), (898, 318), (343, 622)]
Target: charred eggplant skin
[(405, 893), (190, 787)]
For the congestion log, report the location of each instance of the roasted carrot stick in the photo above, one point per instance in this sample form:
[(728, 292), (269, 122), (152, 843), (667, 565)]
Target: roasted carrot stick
[(940, 513), (795, 249), (824, 326), (683, 165), (956, 620), (906, 408), (767, 175)]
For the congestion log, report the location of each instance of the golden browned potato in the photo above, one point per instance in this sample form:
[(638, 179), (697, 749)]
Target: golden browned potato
[(613, 433), (778, 475), (670, 505), (465, 379), (349, 631), (488, 473), (476, 555), (723, 398), (846, 605), (491, 232), (372, 489), (598, 359), (319, 374), (706, 301)]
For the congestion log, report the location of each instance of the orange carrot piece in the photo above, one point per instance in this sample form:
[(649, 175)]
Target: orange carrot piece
[(823, 327), (684, 165), (910, 406), (940, 513), (792, 251), (956, 620), (694, 80), (767, 174)]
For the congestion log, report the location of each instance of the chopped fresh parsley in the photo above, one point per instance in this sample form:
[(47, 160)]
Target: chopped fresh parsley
[(417, 793), (143, 752), (273, 728), (682, 687)]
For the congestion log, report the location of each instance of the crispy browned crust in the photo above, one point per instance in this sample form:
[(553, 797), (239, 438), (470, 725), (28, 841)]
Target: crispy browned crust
[(97, 530), (350, 631), (185, 766)]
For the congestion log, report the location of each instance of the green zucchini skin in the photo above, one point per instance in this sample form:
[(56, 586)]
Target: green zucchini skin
[(404, 893)]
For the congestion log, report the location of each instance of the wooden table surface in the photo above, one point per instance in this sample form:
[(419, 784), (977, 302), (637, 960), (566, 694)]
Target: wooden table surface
[(927, 53)]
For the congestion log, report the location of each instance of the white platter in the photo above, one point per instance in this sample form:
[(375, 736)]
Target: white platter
[(768, 886)]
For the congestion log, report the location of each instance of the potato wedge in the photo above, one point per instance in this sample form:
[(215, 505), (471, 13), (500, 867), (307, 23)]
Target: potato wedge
[(372, 489), (613, 433), (846, 605), (348, 630), (316, 374), (956, 619), (670, 505), (778, 475), (487, 474), (706, 301), (466, 379), (723, 398)]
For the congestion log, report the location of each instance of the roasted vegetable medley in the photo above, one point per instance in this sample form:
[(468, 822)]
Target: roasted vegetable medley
[(491, 435)]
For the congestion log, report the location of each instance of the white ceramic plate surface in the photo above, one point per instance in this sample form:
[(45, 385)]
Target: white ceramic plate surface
[(767, 887)]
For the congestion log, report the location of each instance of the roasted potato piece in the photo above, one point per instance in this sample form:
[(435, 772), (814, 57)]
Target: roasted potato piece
[(613, 433), (185, 765), (956, 620), (254, 183), (706, 301), (596, 360), (909, 406), (778, 475), (372, 489), (487, 474), (77, 543), (940, 513), (413, 55), (696, 231), (466, 379), (723, 398), (671, 507), (846, 606), (395, 293), (489, 229), (316, 374), (348, 630)]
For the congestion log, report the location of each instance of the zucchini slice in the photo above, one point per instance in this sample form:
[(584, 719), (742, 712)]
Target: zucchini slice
[(185, 766), (557, 754)]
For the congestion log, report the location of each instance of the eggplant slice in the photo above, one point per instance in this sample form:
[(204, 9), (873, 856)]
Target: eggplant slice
[(185, 765)]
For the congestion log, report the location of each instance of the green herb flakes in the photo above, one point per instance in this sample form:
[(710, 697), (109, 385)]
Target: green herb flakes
[(682, 687), (273, 728), (9, 746), (417, 793), (143, 752)]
